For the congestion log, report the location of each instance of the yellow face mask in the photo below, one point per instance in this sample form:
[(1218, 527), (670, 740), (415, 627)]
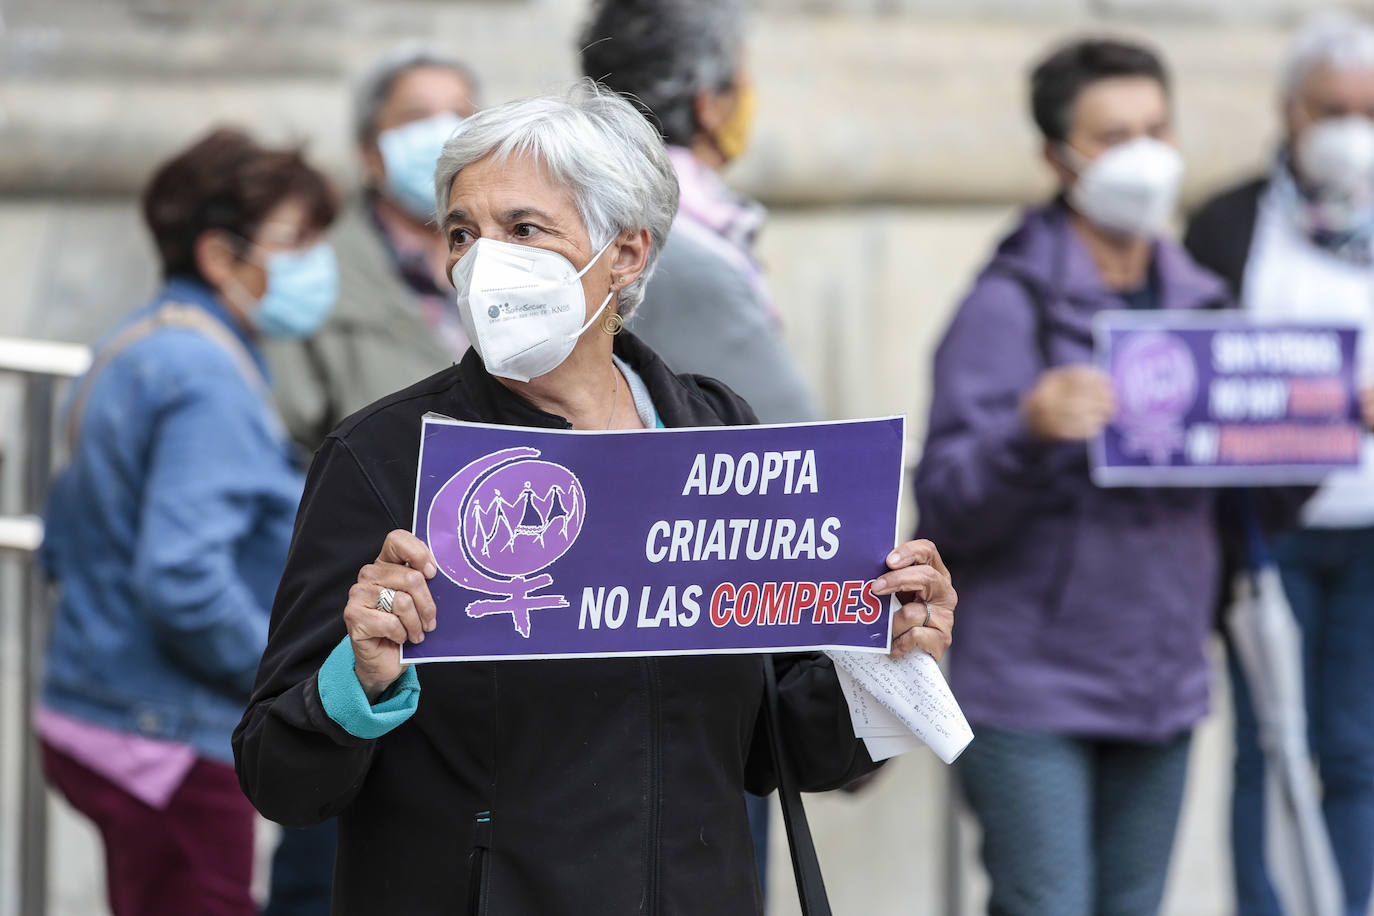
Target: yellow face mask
[(733, 137)]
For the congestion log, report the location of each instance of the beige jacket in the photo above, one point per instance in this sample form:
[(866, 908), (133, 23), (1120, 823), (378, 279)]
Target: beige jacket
[(376, 341)]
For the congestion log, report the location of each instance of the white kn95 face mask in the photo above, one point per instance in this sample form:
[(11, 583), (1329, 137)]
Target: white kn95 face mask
[(1337, 155), (1131, 188), (522, 307)]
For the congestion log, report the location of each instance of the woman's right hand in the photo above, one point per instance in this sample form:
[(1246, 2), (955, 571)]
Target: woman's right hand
[(405, 565), (1069, 404)]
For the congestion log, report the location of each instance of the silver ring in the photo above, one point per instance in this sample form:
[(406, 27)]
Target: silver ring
[(388, 595), (926, 622)]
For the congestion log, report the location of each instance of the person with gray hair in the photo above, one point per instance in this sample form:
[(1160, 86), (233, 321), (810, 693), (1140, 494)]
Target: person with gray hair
[(554, 786), (392, 306), (1298, 244), (709, 308)]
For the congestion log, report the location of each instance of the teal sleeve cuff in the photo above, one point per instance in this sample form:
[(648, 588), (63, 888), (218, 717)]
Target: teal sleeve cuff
[(345, 702)]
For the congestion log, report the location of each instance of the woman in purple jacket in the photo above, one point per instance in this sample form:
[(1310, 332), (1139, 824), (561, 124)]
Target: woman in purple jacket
[(1081, 661)]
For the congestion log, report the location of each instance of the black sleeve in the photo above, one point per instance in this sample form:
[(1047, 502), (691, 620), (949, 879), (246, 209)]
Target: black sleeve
[(1280, 508), (817, 732), (295, 764), (1277, 509), (1218, 235)]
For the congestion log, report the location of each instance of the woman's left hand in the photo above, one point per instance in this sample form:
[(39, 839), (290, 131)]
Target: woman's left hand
[(921, 583)]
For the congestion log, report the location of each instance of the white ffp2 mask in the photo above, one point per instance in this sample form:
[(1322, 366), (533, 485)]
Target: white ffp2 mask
[(1131, 188), (1337, 155), (522, 307)]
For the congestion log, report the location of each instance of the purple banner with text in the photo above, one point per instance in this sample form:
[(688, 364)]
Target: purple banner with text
[(1216, 399), (663, 542)]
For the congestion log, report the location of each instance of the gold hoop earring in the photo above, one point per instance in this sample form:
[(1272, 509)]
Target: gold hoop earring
[(612, 324)]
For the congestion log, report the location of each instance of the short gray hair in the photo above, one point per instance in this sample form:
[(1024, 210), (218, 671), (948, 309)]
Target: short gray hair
[(593, 142), (1335, 39), (663, 53), (374, 87)]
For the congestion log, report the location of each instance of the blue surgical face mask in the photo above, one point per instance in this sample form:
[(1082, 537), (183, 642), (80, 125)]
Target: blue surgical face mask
[(302, 287), (409, 154)]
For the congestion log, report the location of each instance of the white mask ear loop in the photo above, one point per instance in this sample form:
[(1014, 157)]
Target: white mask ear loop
[(601, 308), (596, 257), (596, 314)]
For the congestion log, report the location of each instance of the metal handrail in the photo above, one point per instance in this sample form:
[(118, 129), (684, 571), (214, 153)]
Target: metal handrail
[(43, 357), (41, 364), (22, 533)]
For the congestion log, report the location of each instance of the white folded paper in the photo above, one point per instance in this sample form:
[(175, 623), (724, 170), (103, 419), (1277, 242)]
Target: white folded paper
[(895, 703), (883, 733)]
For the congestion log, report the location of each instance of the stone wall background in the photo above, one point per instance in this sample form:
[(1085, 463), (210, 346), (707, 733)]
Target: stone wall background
[(892, 146)]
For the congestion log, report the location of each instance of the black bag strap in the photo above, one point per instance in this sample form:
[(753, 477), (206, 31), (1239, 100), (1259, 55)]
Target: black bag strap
[(806, 866)]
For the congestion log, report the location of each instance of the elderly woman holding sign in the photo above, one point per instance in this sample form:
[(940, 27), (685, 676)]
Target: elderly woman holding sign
[(552, 786)]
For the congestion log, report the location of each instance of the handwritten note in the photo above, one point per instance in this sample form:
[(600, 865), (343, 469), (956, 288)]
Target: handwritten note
[(911, 692), (883, 733)]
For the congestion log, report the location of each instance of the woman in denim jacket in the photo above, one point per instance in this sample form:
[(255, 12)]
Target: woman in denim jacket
[(169, 528)]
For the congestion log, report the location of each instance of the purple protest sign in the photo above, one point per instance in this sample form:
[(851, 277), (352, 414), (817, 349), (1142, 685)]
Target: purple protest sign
[(1216, 399), (555, 543)]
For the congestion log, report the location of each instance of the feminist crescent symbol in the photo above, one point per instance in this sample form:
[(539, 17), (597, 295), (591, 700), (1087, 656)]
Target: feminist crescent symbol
[(444, 528)]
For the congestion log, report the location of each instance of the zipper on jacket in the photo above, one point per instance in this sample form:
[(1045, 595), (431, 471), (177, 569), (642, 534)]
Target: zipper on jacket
[(477, 866), (655, 754)]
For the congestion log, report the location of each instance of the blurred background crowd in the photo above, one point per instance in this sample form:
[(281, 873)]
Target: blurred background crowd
[(847, 168)]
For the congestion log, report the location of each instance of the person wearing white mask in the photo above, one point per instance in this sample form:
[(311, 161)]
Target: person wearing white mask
[(394, 322), (1083, 664), (556, 787), (1298, 243)]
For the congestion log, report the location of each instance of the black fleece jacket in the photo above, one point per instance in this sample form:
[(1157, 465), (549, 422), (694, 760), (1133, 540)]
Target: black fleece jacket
[(1220, 233), (537, 788)]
